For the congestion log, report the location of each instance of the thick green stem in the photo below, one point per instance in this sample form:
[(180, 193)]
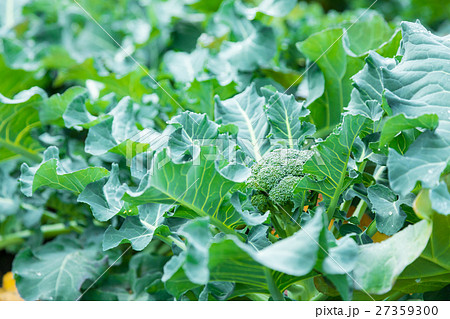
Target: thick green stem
[(48, 231), (273, 289), (225, 229), (372, 229), (57, 219), (276, 224), (323, 133), (362, 205), (273, 239), (334, 200), (30, 155), (170, 240), (345, 205), (360, 210)]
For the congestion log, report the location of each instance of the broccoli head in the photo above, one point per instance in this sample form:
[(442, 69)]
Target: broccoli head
[(275, 176), (260, 201)]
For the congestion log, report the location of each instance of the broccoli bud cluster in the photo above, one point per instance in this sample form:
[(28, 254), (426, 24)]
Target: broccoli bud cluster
[(275, 176)]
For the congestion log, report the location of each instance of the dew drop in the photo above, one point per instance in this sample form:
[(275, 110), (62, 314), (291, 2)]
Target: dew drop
[(418, 280), (38, 274), (390, 213)]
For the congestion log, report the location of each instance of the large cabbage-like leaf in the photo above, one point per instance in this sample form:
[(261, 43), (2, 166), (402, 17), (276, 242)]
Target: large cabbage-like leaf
[(245, 110), (284, 114), (192, 131), (420, 83), (340, 56), (58, 269), (256, 49), (53, 110), (138, 230), (198, 187), (388, 213), (232, 260), (109, 134), (104, 196), (329, 164), (52, 173), (18, 117), (431, 271), (367, 95), (185, 67), (379, 264), (424, 161)]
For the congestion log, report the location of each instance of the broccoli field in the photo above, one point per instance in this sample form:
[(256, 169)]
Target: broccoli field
[(250, 150)]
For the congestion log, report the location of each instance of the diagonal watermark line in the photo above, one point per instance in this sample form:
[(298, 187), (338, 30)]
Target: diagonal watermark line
[(315, 61), (320, 246), (130, 56), (98, 278), (129, 247)]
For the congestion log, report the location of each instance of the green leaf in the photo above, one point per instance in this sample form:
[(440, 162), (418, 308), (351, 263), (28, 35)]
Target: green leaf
[(104, 196), (337, 259), (418, 85), (257, 49), (51, 173), (17, 80), (329, 164), (379, 264), (250, 218), (193, 131), (337, 69), (58, 269), (185, 67), (389, 216), (245, 110), (284, 113), (76, 113), (257, 237), (367, 96), (138, 230), (130, 84), (110, 133), (199, 187), (295, 255), (431, 271), (141, 281), (53, 110), (424, 161), (369, 33), (201, 95), (274, 8), (199, 238), (19, 116), (398, 123), (232, 260), (339, 56), (440, 199)]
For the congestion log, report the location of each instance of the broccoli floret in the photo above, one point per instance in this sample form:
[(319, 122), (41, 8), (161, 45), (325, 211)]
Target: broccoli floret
[(260, 201), (275, 176), (283, 192)]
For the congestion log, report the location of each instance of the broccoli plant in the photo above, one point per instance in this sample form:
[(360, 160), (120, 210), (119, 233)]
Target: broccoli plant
[(274, 179), (240, 153)]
